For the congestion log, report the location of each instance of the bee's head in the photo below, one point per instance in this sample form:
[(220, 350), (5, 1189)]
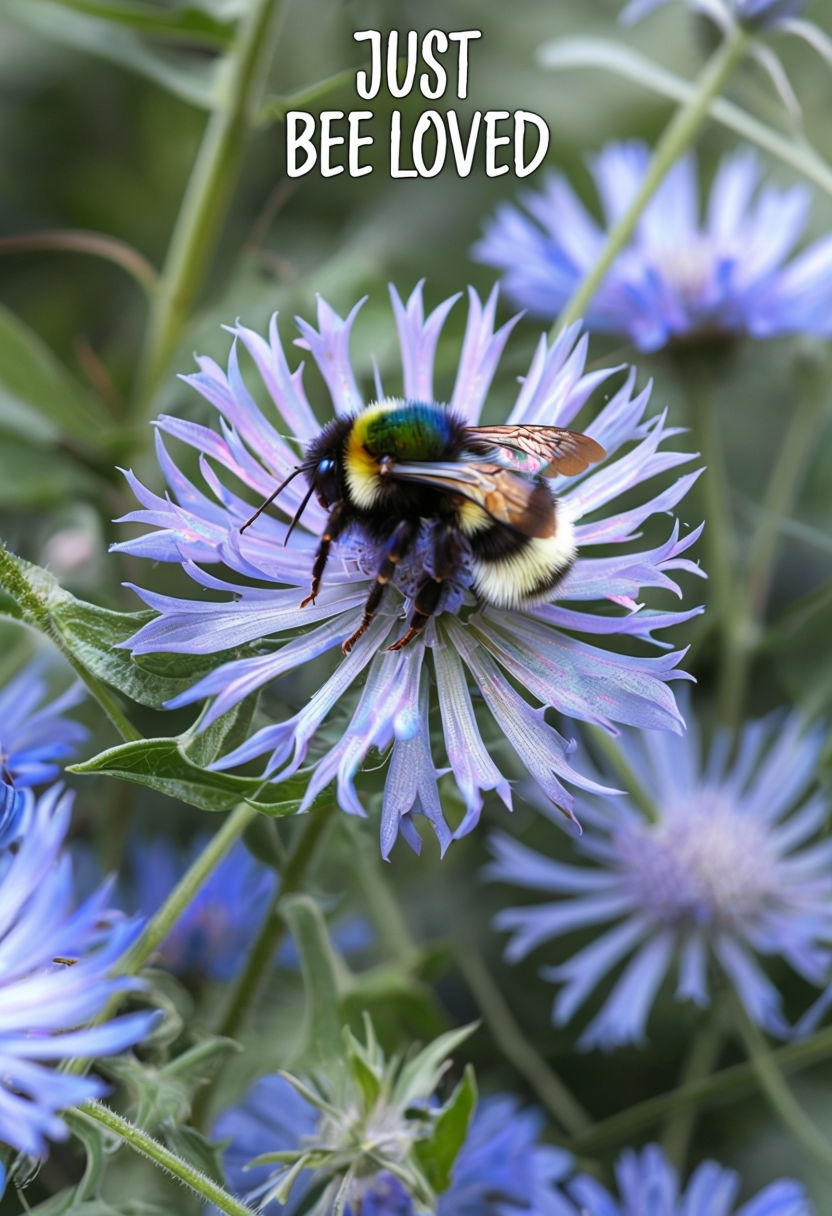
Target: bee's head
[(323, 460), (323, 475)]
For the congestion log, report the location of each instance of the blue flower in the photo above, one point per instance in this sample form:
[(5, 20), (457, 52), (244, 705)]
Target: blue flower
[(55, 966), (680, 277), (753, 14), (35, 738), (496, 650), (214, 934), (501, 1168), (648, 1183), (725, 874)]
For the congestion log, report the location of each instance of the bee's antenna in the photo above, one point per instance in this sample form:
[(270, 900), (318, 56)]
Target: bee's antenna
[(301, 468), (297, 515)]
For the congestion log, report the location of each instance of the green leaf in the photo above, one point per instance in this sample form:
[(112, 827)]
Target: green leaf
[(262, 841), (273, 107), (162, 765), (438, 1154), (419, 1077), (194, 80), (93, 635), (222, 736), (570, 53), (191, 22), (34, 382), (324, 1045), (367, 1082), (342, 1195)]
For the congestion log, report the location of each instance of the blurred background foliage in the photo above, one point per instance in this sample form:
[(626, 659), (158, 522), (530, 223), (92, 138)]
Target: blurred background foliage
[(99, 127)]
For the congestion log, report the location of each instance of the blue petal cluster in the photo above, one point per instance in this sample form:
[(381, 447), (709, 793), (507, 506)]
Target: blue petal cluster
[(724, 874), (214, 933), (55, 965), (648, 1183), (35, 737), (260, 581), (501, 1169), (733, 272)]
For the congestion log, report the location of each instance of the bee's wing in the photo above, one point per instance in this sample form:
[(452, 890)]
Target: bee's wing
[(518, 503), (540, 449)]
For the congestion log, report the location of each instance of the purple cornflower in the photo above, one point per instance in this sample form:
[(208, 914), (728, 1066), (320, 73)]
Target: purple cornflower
[(647, 1182), (502, 1168), (34, 738), (725, 873), (55, 968), (214, 933), (536, 648), (680, 277)]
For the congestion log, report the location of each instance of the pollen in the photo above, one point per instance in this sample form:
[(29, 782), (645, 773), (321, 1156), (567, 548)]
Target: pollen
[(704, 865)]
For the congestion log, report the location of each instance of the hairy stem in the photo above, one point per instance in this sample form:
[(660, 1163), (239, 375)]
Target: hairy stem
[(97, 1115), (674, 141)]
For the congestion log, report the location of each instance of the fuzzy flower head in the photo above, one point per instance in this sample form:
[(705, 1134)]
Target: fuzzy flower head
[(648, 1183), (502, 1167), (727, 872), (682, 277), (35, 738), (55, 968), (372, 697)]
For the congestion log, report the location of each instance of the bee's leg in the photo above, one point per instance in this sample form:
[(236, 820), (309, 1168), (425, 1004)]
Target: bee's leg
[(336, 522), (394, 550), (426, 599)]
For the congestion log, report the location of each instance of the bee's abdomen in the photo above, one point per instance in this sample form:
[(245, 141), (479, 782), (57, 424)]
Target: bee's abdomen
[(511, 570)]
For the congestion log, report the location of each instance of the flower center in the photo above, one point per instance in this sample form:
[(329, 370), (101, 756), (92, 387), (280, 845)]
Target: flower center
[(689, 267), (704, 864)]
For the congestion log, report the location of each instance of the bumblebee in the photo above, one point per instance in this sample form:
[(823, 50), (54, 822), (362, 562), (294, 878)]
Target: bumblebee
[(397, 465)]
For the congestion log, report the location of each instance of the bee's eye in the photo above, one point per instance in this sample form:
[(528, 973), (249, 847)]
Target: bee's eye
[(326, 480)]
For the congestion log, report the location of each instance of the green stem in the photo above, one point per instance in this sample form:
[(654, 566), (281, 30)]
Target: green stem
[(703, 1055), (299, 864), (780, 1097), (725, 1086), (517, 1049), (208, 192), (34, 611), (100, 1116), (385, 911), (676, 138), (618, 762), (272, 931), (719, 549), (160, 925), (782, 489)]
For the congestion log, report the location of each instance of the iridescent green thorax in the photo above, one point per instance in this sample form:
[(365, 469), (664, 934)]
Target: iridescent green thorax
[(408, 431)]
